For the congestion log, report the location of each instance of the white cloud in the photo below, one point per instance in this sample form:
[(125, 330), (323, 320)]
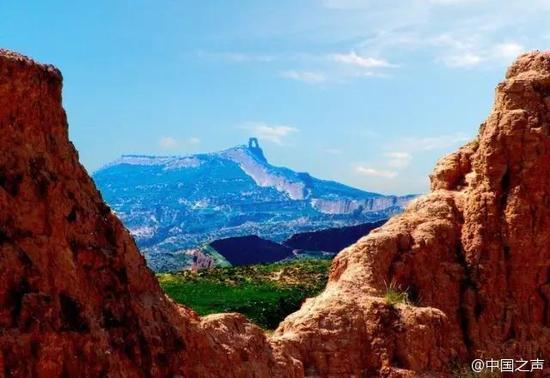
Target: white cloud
[(466, 59), (373, 172), (237, 57), (456, 52), (508, 50), (193, 140), (338, 68), (354, 59), (398, 160), (394, 162), (320, 68), (438, 142), (273, 133), (305, 76), (168, 143), (372, 35), (171, 143), (472, 52), (478, 34)]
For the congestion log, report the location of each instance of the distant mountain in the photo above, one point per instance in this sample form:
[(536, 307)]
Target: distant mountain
[(331, 239), (171, 204), (246, 250)]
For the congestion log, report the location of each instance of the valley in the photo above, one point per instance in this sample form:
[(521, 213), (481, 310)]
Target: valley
[(264, 293)]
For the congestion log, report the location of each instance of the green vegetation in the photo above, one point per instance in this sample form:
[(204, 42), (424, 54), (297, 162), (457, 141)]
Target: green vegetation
[(219, 260), (266, 294), (394, 295)]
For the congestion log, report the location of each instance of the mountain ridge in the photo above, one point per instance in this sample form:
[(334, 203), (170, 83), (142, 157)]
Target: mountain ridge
[(140, 159), (251, 249), (173, 203)]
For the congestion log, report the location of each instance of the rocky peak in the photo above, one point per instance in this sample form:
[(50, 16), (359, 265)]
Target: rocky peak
[(254, 148)]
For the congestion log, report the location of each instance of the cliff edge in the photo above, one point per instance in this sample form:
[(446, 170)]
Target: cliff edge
[(473, 257)]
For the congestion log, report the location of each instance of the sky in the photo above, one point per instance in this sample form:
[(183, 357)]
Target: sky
[(368, 93)]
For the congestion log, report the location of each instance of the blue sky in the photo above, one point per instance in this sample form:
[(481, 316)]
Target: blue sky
[(369, 93)]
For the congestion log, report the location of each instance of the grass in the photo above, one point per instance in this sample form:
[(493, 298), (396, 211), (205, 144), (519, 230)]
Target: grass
[(219, 260), (266, 294), (395, 295)]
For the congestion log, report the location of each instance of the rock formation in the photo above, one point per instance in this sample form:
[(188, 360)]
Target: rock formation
[(473, 255), (76, 298)]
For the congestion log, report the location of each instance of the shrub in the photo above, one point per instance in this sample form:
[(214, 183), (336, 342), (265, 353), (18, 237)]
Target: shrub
[(395, 295)]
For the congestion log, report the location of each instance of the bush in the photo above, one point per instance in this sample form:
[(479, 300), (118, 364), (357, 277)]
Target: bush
[(395, 295)]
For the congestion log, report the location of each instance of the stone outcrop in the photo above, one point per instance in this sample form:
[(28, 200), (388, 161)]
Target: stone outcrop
[(473, 255), (76, 298)]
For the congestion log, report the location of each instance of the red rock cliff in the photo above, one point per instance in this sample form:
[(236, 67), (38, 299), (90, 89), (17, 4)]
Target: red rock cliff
[(77, 300), (474, 255)]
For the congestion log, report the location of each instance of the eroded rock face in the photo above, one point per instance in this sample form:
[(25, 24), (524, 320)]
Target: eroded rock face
[(76, 298), (474, 255)]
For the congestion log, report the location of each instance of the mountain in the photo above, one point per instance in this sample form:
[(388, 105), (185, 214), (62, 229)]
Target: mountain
[(251, 249), (245, 250), (236, 251), (331, 239), (171, 204)]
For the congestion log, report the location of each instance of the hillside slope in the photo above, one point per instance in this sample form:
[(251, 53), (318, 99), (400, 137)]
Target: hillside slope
[(251, 249), (331, 239), (246, 250)]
